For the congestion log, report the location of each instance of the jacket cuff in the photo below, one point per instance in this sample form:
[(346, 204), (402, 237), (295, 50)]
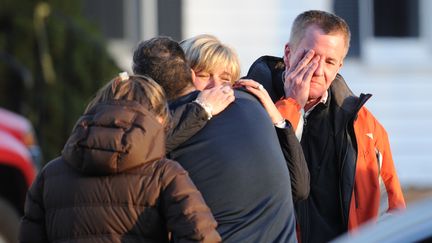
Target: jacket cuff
[(290, 110), (288, 102)]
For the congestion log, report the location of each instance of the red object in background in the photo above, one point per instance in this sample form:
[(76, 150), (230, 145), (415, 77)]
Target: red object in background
[(19, 160), (16, 136), (15, 154), (15, 124)]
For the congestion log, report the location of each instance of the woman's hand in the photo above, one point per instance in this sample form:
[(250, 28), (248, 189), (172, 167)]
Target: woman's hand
[(258, 90), (218, 98)]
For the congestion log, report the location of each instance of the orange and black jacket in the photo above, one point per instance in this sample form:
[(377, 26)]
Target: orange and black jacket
[(368, 186)]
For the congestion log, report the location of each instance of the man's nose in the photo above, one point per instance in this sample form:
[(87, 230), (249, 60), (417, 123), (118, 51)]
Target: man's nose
[(319, 71)]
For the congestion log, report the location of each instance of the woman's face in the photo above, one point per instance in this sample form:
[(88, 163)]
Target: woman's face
[(206, 79)]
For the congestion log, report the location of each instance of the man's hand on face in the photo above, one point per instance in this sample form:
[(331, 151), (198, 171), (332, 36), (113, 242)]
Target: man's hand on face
[(298, 76)]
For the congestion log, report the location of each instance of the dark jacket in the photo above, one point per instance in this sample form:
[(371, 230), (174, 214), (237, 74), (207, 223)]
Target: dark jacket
[(295, 161), (185, 122), (343, 139), (112, 184), (189, 118), (237, 164)]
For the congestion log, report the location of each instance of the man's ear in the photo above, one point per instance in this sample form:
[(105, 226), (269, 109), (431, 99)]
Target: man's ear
[(287, 52), (340, 65)]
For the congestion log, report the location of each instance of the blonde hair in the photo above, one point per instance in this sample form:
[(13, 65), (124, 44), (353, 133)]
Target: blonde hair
[(205, 52), (139, 88)]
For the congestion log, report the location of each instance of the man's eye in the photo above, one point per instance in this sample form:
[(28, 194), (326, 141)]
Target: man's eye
[(331, 62)]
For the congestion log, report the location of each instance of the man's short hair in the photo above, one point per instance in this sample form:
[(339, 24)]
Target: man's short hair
[(163, 59), (328, 22)]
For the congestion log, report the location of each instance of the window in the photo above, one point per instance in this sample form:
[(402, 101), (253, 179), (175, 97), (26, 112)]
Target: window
[(379, 27), (349, 11), (396, 18)]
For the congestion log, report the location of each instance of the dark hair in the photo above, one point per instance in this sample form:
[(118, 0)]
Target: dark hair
[(163, 59), (328, 22)]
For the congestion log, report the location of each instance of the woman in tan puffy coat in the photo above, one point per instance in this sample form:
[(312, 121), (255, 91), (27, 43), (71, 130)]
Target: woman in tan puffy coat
[(112, 182)]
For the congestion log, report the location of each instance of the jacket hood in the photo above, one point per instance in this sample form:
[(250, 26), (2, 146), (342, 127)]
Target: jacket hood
[(114, 137)]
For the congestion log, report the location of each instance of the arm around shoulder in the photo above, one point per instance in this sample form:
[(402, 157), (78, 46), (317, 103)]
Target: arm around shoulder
[(187, 120), (296, 162)]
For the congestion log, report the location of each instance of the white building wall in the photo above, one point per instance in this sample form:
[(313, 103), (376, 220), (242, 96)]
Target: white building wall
[(252, 27)]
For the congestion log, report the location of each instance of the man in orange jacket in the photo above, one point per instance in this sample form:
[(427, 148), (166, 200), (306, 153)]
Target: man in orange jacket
[(353, 178)]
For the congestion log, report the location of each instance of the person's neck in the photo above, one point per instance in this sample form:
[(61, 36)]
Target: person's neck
[(187, 90)]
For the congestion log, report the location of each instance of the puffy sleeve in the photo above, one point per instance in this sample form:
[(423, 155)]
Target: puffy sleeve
[(188, 217), (32, 228), (187, 120)]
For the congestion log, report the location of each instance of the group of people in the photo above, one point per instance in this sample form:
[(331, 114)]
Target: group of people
[(184, 150)]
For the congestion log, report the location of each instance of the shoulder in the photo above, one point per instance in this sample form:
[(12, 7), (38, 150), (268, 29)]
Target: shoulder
[(270, 61), (367, 120), (266, 64), (55, 166), (170, 165), (169, 170), (268, 70), (181, 102)]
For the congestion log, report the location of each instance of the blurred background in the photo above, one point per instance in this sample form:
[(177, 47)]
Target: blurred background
[(55, 54)]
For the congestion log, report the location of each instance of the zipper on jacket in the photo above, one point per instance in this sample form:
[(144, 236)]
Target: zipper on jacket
[(341, 202)]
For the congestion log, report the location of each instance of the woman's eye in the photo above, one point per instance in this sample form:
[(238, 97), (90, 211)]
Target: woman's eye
[(226, 79), (203, 75)]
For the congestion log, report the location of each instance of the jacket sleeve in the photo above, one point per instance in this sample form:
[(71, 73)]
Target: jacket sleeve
[(188, 217), (290, 110), (388, 171), (296, 162), (187, 120), (32, 228)]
